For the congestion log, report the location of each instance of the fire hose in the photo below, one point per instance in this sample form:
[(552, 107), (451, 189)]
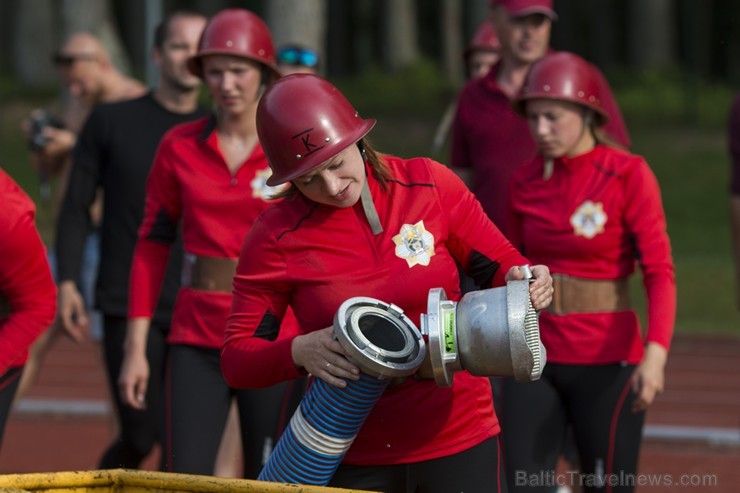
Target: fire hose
[(385, 344)]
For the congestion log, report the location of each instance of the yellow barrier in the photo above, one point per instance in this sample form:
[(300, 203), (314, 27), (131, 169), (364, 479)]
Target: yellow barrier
[(131, 481)]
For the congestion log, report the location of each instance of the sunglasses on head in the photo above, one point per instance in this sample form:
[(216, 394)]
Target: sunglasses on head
[(61, 60), (297, 56)]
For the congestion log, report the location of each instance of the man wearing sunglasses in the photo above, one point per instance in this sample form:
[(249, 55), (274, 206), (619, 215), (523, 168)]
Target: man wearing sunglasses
[(115, 149), (88, 77), (296, 59)]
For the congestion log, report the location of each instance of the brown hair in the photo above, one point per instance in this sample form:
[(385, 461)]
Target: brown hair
[(596, 123), (162, 31), (369, 154), (602, 137)]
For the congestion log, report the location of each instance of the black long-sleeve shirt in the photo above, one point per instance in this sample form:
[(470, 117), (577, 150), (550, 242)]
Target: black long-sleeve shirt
[(115, 150)]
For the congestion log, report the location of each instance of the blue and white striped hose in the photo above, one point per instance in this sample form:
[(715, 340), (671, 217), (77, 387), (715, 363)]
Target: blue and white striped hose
[(321, 431), (385, 344)]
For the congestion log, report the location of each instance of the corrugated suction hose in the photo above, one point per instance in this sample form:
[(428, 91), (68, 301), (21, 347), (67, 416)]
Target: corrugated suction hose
[(385, 344)]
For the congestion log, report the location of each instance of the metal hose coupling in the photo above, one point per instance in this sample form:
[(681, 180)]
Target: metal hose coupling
[(385, 344), (492, 332), (379, 338)]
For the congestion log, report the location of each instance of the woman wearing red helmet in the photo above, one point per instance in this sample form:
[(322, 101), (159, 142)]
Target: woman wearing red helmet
[(483, 50), (482, 53), (334, 237), (588, 210), (209, 176)]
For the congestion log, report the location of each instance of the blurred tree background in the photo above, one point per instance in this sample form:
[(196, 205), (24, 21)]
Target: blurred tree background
[(698, 37), (674, 66)]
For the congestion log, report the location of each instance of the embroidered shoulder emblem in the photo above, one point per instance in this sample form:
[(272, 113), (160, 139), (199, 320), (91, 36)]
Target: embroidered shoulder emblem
[(260, 188), (589, 219), (414, 244)]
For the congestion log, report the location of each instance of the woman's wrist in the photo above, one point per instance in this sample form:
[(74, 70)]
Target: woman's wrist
[(655, 353)]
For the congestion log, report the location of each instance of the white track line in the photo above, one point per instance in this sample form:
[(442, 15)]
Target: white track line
[(74, 407), (96, 407)]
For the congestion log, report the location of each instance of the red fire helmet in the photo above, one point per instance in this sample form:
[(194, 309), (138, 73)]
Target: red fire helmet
[(521, 8), (484, 39), (302, 121), (562, 76), (235, 32)]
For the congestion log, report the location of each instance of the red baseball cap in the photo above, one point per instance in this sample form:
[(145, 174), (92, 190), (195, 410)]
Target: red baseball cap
[(521, 8)]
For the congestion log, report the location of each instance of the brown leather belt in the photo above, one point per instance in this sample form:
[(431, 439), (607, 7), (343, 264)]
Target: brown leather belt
[(208, 273), (5, 308), (579, 295)]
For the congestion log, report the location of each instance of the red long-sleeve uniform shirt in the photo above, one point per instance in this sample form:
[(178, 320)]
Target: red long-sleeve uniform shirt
[(596, 217), (25, 278), (190, 182), (492, 140), (313, 257)]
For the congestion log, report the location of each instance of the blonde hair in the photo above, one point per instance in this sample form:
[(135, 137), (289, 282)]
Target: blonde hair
[(596, 122), (602, 137)]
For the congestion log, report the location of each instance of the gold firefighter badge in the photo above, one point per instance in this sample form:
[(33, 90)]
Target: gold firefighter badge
[(414, 244), (589, 219), (260, 188)]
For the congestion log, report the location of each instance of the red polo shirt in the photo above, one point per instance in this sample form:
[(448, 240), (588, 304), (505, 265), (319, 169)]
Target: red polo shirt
[(25, 278), (596, 217), (490, 138), (190, 182)]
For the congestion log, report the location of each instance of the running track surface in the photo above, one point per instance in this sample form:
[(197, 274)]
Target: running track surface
[(692, 438)]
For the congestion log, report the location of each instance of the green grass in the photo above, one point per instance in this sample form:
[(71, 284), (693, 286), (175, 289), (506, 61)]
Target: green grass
[(676, 124), (417, 90), (14, 156), (679, 126), (661, 98), (692, 166)]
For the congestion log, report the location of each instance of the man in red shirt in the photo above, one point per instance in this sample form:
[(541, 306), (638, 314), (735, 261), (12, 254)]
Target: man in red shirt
[(489, 140), (480, 55)]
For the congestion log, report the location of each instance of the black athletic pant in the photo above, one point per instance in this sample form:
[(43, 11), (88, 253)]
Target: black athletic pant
[(476, 470), (8, 386), (596, 400), (197, 405), (139, 430)]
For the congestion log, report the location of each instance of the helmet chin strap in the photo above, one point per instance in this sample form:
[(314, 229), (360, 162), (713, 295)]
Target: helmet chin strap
[(369, 207), (548, 168)]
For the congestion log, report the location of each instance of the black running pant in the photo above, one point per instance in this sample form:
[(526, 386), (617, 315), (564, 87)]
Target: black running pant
[(197, 406), (139, 430), (596, 400), (476, 470), (8, 386)]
